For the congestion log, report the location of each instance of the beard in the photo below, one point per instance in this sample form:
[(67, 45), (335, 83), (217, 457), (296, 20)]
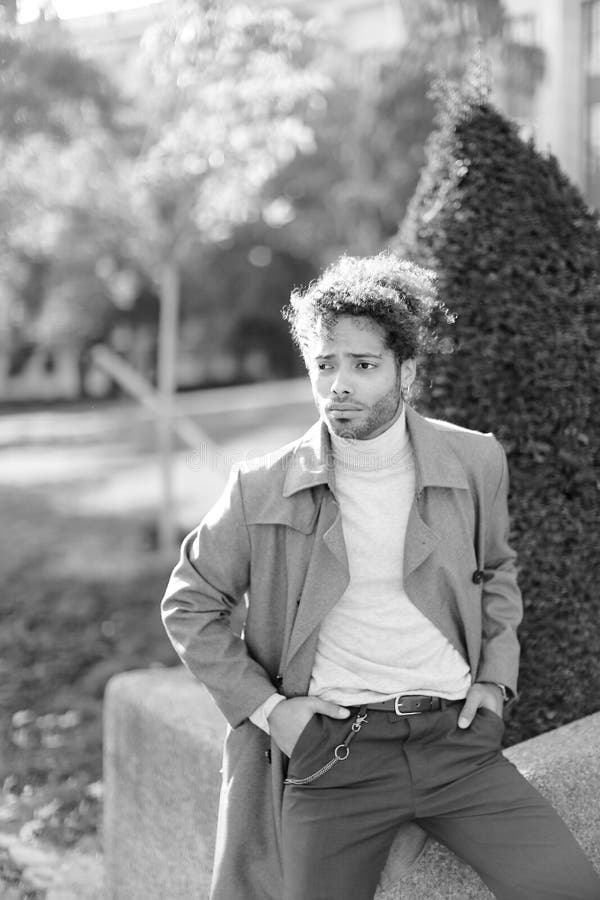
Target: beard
[(373, 421)]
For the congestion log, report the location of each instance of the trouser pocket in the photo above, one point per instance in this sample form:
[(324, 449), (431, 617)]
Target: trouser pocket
[(340, 753)]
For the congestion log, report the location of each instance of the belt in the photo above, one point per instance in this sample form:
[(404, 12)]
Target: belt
[(412, 704)]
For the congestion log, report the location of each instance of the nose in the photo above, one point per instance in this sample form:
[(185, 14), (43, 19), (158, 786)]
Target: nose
[(341, 385)]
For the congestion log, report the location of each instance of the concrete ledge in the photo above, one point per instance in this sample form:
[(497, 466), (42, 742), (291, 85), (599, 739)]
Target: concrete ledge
[(163, 739), (162, 756)]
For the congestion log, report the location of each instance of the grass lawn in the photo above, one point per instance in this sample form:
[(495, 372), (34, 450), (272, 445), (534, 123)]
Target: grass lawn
[(81, 584)]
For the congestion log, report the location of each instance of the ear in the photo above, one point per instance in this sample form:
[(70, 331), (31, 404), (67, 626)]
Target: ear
[(408, 373)]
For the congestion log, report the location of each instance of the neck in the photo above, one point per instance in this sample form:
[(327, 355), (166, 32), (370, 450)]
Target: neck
[(384, 449)]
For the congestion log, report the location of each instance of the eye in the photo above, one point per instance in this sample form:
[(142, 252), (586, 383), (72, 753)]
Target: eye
[(322, 366), (365, 365)]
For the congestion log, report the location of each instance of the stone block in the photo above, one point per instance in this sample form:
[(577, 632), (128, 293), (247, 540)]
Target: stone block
[(163, 737), (162, 759), (564, 765)]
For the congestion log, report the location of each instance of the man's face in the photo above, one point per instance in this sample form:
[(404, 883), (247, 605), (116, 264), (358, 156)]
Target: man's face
[(355, 379)]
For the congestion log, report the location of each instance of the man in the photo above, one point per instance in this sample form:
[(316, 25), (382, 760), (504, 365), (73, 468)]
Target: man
[(380, 639)]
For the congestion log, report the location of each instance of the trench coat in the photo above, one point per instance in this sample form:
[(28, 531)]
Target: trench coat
[(274, 541)]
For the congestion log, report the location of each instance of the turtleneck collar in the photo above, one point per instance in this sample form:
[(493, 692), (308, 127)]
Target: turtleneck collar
[(389, 449)]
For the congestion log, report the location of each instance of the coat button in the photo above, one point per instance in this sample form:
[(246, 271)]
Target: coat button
[(477, 576)]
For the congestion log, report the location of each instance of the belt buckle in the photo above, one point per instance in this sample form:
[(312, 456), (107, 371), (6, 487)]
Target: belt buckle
[(399, 712)]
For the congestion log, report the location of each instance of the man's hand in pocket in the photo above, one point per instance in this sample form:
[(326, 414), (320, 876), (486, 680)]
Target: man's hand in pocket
[(290, 717), (479, 694)]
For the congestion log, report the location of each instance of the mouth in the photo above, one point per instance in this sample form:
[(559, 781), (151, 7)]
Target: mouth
[(342, 409)]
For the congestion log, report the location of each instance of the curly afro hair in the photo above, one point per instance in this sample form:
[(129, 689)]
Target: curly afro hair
[(398, 295)]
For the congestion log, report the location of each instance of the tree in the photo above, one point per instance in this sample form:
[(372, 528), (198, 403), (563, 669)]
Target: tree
[(226, 90), (371, 128), (518, 256), (256, 280), (222, 106), (57, 113), (46, 87), (350, 193)]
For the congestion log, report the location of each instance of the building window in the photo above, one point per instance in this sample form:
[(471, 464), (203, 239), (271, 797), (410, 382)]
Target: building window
[(520, 29), (593, 173), (591, 37), (593, 34), (523, 65)]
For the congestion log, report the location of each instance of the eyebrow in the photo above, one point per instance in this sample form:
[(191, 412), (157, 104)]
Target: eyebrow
[(351, 355)]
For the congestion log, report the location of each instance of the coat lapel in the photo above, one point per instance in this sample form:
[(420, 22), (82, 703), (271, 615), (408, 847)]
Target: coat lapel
[(436, 462), (326, 573), (437, 470), (436, 467), (326, 579), (420, 541)]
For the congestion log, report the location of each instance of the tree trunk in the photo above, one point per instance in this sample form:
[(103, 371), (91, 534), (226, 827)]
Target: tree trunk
[(9, 7), (167, 386)]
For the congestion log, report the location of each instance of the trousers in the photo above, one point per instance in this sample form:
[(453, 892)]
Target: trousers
[(338, 827)]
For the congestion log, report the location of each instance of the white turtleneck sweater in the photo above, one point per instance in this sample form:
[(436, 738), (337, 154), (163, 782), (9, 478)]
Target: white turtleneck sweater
[(375, 644)]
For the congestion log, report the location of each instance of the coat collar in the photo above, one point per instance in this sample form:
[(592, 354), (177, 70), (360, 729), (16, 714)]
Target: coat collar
[(436, 462), (312, 461)]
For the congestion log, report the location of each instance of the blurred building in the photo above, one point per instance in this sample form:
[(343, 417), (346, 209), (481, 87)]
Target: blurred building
[(362, 25), (564, 113), (113, 38)]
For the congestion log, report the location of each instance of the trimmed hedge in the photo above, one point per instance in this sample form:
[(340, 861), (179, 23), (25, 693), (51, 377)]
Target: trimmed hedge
[(518, 257)]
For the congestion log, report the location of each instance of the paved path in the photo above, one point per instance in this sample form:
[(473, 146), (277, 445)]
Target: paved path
[(88, 420)]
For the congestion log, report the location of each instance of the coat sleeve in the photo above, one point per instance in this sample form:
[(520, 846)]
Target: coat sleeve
[(207, 583), (502, 607)]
